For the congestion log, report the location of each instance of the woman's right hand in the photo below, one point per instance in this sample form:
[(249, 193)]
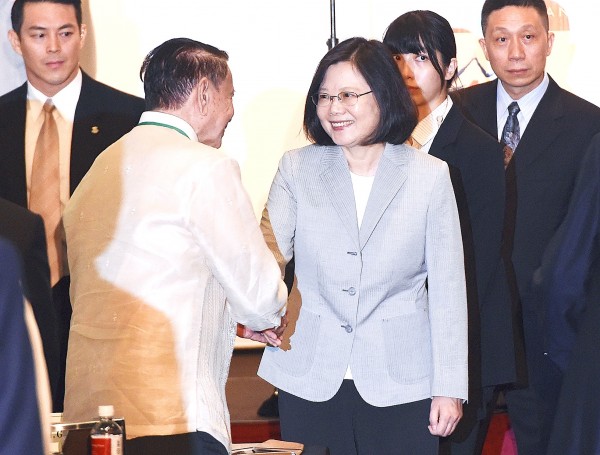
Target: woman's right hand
[(445, 414)]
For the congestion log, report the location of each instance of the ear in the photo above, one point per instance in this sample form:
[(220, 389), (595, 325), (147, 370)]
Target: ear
[(82, 35), (203, 95), (451, 69), (15, 41), (484, 48), (550, 43)]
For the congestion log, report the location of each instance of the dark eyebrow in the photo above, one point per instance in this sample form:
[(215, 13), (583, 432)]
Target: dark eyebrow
[(40, 28), (522, 28)]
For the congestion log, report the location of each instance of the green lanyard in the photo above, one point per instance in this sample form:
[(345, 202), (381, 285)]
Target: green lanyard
[(180, 131)]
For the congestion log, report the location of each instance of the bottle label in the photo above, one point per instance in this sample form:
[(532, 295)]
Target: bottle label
[(107, 444)]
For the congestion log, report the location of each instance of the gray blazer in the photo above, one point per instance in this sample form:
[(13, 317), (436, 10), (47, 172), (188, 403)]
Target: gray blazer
[(387, 299)]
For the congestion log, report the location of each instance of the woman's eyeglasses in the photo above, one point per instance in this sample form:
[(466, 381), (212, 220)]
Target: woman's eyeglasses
[(346, 98)]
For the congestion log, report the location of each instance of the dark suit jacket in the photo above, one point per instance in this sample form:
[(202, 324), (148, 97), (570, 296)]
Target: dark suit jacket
[(477, 172), (25, 230), (570, 285), (19, 414), (102, 116), (545, 165), (478, 160), (569, 280)]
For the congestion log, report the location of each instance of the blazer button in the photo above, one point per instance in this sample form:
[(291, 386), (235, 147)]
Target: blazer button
[(352, 291), (347, 328)]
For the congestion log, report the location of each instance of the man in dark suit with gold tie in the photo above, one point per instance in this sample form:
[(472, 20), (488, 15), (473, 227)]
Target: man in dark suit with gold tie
[(82, 118)]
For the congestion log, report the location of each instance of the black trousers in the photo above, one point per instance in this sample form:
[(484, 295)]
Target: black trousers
[(348, 425), (197, 443), (62, 306)]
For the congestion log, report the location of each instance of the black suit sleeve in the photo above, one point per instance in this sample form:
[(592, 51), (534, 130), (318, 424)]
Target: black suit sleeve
[(19, 414), (36, 284)]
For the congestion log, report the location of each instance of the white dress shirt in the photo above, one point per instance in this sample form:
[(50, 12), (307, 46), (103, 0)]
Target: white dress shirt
[(527, 105)]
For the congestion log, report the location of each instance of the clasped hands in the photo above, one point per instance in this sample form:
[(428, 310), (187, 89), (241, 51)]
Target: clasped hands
[(272, 337)]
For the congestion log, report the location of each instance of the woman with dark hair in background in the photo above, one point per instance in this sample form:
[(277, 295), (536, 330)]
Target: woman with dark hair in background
[(424, 48), (380, 345)]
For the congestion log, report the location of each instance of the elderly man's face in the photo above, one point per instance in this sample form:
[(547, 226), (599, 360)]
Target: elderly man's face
[(221, 111)]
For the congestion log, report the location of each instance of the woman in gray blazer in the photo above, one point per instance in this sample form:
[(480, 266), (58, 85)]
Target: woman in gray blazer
[(377, 362)]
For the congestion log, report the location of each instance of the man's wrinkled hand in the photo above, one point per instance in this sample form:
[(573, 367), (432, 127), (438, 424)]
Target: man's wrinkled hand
[(272, 337)]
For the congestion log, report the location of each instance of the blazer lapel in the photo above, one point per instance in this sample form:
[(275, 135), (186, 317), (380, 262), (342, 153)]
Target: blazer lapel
[(338, 184), (389, 179), (542, 129), (84, 124), (488, 114), (447, 134), (482, 113)]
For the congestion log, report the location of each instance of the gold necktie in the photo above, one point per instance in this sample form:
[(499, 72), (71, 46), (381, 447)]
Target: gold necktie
[(44, 196)]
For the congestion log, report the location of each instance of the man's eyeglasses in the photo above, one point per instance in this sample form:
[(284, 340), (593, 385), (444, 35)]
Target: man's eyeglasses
[(346, 98)]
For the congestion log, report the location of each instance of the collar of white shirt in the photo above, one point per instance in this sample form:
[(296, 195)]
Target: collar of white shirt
[(170, 120), (65, 101), (527, 105)]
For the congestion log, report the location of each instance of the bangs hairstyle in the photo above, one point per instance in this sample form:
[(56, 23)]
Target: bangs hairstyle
[(424, 32), (172, 70), (16, 13), (489, 6), (375, 63)]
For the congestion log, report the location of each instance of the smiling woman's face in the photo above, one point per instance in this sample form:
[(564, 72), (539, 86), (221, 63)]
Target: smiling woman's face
[(348, 126)]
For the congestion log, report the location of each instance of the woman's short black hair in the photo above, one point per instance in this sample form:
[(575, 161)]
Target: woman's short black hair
[(375, 63), (426, 32)]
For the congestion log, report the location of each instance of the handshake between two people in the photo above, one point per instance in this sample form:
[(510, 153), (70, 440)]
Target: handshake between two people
[(271, 337)]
